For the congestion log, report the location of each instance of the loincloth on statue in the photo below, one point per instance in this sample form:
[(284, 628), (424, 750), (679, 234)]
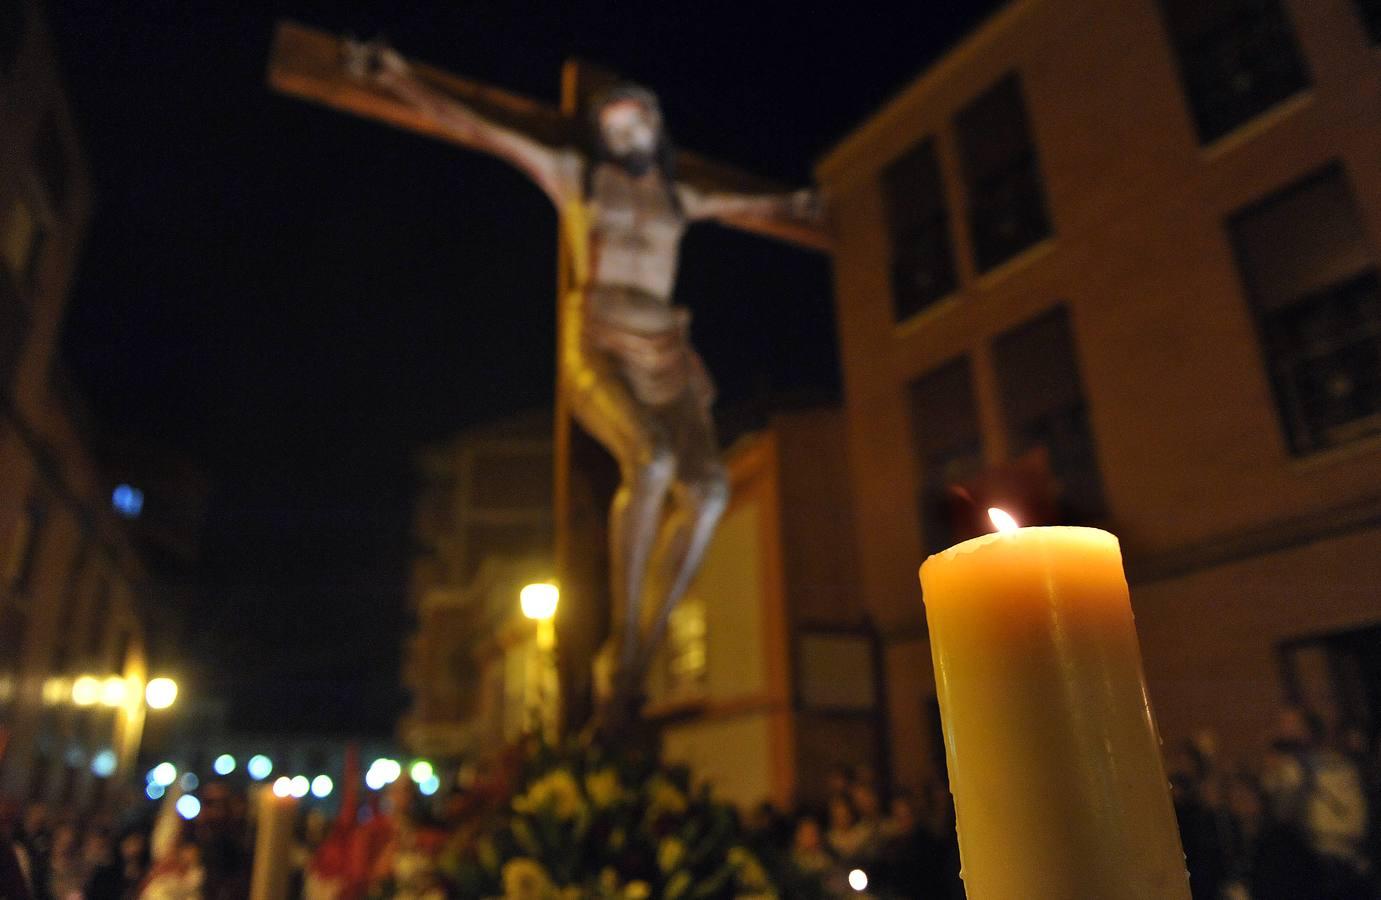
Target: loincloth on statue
[(648, 341)]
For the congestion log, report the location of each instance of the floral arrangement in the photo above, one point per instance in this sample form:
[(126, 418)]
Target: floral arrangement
[(581, 821)]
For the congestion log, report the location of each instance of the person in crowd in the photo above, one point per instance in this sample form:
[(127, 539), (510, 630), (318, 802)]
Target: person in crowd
[(14, 862), (134, 862), (36, 839), (1192, 790), (845, 837), (66, 865), (103, 878), (808, 850), (1318, 793)]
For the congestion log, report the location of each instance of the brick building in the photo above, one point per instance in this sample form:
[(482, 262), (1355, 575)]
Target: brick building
[(70, 580), (1141, 238)]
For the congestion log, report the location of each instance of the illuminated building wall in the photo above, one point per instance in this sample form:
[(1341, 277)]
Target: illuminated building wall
[(1141, 238), (769, 673), (70, 584)]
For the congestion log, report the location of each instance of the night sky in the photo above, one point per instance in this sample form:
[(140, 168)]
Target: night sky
[(296, 299)]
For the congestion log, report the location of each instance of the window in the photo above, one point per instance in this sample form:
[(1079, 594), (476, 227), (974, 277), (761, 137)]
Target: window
[(1043, 404), (918, 222), (1007, 211), (949, 446), (13, 24), (1312, 280), (687, 650), (1370, 11), (1238, 58)]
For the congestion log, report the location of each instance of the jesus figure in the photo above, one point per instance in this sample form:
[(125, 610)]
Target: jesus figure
[(633, 379)]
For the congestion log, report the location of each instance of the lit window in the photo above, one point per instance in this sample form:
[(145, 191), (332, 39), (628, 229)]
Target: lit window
[(128, 501), (687, 649), (1312, 278)]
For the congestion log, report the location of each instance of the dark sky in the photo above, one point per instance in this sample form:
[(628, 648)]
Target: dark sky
[(296, 299)]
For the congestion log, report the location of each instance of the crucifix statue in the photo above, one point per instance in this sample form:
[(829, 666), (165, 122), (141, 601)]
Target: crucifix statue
[(627, 370)]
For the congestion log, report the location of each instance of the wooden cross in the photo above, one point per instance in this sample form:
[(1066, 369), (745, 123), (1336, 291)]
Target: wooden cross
[(308, 63)]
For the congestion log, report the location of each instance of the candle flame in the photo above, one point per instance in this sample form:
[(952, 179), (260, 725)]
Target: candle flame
[(1002, 520)]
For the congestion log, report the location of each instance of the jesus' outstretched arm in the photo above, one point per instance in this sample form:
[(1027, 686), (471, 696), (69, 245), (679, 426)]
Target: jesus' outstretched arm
[(383, 67)]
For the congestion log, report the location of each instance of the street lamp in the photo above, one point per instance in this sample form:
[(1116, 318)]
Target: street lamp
[(160, 693), (539, 601)]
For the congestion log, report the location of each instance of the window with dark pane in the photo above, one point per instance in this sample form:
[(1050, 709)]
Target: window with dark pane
[(1043, 405), (1237, 59), (51, 165), (1370, 11), (948, 443), (918, 223), (13, 24), (1311, 276), (1007, 207)]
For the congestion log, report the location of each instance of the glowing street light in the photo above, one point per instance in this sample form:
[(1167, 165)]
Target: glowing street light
[(429, 786), (165, 773), (224, 764), (87, 690), (114, 690), (103, 763), (154, 791), (858, 880), (160, 693), (259, 767), (188, 807), (283, 786), (539, 601), (298, 786), (321, 786), (421, 770)]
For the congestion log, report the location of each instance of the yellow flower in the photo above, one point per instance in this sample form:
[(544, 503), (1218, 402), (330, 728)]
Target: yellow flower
[(525, 879), (487, 854), (664, 797), (555, 791), (670, 852), (637, 890), (604, 788), (678, 885), (751, 874)]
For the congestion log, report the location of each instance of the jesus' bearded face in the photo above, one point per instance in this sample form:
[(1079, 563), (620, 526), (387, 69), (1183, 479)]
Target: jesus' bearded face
[(630, 132)]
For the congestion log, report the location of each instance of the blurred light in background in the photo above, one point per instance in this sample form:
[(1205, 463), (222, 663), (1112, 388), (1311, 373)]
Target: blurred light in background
[(188, 807), (224, 764), (160, 693), (321, 786), (259, 767)]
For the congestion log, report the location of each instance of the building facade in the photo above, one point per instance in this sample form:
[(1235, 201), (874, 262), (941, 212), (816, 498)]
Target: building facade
[(1140, 241), (71, 584), (770, 673), (483, 530)]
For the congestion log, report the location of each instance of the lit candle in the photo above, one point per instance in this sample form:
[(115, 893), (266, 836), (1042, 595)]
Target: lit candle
[(1054, 762)]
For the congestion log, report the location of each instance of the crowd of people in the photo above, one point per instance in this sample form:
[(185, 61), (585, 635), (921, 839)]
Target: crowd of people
[(854, 844), (1301, 824), (126, 850)]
